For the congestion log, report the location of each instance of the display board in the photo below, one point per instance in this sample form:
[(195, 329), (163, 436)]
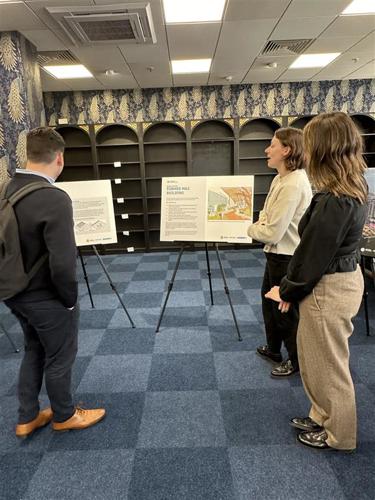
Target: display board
[(207, 209), (94, 218), (368, 241)]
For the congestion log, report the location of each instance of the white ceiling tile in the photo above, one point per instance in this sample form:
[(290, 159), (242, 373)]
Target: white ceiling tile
[(101, 58), (309, 8), (50, 84), (17, 16), (192, 41), (190, 80), (240, 42), (240, 10), (259, 69), (299, 74), (219, 79), (367, 71), (306, 27), (120, 81), (367, 44), (343, 65), (84, 84), (351, 26), (44, 39), (145, 78), (336, 44)]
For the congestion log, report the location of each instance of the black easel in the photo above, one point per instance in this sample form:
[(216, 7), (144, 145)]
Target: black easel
[(100, 260), (365, 291), (112, 284), (226, 289), (9, 338), (85, 276)]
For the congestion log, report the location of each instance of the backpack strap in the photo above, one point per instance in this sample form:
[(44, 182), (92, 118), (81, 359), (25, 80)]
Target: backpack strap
[(38, 264), (25, 190)]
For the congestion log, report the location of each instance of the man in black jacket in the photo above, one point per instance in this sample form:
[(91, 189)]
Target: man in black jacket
[(47, 309)]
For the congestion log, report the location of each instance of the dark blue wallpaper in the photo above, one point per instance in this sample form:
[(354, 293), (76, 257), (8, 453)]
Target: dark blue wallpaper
[(194, 103), (21, 100)]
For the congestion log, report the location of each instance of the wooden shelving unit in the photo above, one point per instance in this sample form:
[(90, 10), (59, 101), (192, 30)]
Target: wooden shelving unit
[(149, 152)]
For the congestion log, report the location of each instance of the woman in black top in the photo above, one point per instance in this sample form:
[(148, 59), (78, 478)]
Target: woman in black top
[(324, 277)]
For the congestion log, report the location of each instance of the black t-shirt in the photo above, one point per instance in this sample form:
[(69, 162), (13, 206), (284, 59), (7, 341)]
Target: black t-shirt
[(330, 232)]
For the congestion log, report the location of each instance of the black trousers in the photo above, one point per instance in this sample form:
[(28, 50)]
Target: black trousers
[(280, 327), (50, 333)]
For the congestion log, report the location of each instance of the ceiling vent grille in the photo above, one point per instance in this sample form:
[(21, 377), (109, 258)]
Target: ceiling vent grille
[(286, 47), (103, 24), (55, 57)]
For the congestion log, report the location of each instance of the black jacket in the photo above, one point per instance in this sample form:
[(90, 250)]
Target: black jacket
[(330, 231), (45, 221)]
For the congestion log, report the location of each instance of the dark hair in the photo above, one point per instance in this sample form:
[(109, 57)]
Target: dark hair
[(334, 149), (43, 144), (293, 139)]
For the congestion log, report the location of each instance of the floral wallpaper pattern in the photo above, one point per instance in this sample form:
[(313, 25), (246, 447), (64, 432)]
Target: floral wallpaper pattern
[(21, 99), (192, 103)]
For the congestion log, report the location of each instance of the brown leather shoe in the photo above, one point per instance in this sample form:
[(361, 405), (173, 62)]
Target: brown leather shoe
[(81, 419), (25, 430)]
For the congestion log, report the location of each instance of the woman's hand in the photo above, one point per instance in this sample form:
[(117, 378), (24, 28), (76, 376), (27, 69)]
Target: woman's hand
[(274, 294)]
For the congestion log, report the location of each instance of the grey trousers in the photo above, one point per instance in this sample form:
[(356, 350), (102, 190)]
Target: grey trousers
[(322, 340)]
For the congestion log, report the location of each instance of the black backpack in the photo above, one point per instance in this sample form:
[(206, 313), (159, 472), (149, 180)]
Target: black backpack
[(13, 278)]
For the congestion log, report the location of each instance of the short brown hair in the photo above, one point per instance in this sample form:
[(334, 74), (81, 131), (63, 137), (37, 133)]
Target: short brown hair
[(292, 138), (43, 144), (334, 148)]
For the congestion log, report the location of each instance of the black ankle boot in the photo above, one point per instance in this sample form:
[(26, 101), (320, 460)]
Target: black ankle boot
[(269, 355)]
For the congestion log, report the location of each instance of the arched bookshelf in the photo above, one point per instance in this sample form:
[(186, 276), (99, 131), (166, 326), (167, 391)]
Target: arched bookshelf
[(212, 148), (254, 137), (165, 155), (118, 158), (79, 164)]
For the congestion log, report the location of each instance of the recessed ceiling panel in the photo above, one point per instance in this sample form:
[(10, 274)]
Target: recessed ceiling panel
[(241, 10), (17, 16), (310, 8), (307, 27), (351, 26), (192, 41)]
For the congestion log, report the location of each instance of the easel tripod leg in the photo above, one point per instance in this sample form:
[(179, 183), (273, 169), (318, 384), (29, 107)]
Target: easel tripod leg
[(209, 274), (86, 277), (170, 286), (227, 291), (365, 294), (112, 285), (10, 339)]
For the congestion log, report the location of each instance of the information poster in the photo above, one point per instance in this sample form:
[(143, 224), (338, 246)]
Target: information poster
[(210, 209), (368, 241), (94, 218)]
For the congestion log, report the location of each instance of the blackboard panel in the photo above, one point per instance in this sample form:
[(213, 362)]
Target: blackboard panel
[(212, 158)]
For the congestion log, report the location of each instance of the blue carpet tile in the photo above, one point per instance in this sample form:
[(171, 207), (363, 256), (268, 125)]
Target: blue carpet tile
[(192, 413)]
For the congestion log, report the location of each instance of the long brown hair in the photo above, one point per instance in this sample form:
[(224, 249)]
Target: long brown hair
[(293, 139), (334, 147)]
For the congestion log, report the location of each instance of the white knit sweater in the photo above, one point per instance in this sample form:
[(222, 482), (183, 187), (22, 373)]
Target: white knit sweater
[(286, 202)]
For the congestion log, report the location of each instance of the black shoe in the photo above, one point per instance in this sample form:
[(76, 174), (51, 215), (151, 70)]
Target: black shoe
[(285, 369), (318, 440), (269, 355), (305, 424), (314, 439)]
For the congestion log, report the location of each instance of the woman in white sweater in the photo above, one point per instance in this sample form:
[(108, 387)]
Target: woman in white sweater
[(288, 198)]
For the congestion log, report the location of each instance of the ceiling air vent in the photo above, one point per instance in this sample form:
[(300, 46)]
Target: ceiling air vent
[(103, 24), (46, 58), (286, 47)]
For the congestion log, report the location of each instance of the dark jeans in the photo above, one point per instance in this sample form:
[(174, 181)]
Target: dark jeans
[(280, 327), (50, 332)]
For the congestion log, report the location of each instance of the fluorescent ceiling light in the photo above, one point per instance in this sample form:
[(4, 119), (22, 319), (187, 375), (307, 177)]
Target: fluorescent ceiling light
[(314, 60), (358, 7), (191, 66), (68, 71), (193, 11)]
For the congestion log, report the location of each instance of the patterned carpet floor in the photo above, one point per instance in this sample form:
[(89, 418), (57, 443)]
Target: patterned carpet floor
[(192, 413)]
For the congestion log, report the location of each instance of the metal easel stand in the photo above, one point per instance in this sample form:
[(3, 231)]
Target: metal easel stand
[(112, 284), (85, 276), (226, 289), (9, 338), (365, 295)]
